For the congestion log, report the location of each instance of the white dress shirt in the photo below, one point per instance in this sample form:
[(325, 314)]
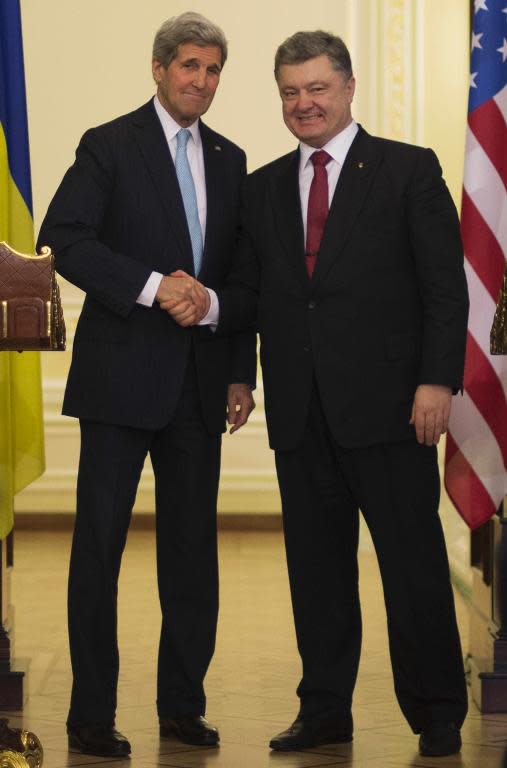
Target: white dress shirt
[(338, 148), (196, 162)]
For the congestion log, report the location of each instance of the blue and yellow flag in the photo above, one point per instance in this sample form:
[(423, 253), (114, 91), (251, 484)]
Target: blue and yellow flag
[(21, 426)]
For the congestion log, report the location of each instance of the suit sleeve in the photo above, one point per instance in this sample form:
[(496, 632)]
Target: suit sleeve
[(239, 303), (238, 298), (438, 254), (73, 224), (244, 358)]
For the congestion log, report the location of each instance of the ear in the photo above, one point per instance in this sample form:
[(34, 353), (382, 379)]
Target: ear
[(351, 89), (156, 68)]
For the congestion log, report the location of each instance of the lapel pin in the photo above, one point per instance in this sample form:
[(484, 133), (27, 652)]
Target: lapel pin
[(217, 148), (360, 164)]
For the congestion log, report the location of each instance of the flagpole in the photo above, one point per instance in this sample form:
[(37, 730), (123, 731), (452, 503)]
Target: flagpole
[(12, 671), (502, 589), (488, 618)]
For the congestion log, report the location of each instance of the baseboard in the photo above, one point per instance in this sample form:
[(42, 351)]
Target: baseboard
[(63, 521)]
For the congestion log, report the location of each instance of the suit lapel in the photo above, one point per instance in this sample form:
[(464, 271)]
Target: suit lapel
[(353, 185), (152, 143), (286, 205), (214, 172)]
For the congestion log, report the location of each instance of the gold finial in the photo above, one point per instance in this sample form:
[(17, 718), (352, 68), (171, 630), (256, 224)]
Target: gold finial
[(498, 337), (10, 759), (19, 748)]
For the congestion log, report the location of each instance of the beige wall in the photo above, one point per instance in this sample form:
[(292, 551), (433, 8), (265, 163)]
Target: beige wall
[(444, 130), (87, 62)]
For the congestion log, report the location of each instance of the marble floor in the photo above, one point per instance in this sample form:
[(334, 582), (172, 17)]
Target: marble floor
[(252, 679)]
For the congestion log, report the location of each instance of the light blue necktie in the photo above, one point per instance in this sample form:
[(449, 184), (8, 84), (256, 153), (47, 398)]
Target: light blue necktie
[(189, 196)]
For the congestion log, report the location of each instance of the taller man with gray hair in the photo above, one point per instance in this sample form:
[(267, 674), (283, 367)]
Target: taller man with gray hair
[(353, 244), (145, 222)]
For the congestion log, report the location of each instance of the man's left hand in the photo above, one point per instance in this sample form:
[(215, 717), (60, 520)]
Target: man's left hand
[(240, 404), (430, 412), (191, 308)]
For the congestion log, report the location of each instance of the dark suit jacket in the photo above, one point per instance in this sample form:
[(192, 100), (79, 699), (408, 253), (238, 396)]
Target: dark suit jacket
[(117, 216), (386, 309)]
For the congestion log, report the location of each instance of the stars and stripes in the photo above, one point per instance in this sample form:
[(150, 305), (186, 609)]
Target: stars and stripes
[(476, 451)]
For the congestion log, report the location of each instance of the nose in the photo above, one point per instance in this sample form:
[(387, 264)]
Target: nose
[(304, 101), (200, 78)]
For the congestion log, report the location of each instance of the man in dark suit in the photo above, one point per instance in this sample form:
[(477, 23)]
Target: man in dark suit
[(362, 321), (152, 202)]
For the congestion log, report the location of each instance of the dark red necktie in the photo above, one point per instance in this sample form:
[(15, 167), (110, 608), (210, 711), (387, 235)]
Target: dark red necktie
[(318, 207)]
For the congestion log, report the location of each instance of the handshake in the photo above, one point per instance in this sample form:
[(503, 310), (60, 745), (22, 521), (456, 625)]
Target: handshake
[(183, 297)]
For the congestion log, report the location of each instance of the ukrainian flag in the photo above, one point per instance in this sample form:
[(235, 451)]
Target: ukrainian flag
[(21, 425)]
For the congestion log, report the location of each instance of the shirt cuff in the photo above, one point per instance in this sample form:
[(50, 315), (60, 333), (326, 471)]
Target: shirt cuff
[(147, 295), (211, 318)]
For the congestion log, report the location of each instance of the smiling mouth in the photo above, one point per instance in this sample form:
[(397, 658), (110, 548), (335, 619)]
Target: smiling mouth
[(308, 118)]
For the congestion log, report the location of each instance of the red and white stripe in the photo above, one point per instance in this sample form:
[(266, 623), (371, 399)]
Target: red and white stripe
[(476, 451)]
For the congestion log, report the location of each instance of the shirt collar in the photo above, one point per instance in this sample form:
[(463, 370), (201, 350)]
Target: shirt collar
[(171, 127), (337, 147)]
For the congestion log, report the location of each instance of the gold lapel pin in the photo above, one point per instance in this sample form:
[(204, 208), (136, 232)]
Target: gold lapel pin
[(360, 164)]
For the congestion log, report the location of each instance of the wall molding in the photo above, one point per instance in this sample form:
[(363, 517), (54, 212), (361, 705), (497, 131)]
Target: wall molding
[(386, 40), (248, 482), (241, 492)]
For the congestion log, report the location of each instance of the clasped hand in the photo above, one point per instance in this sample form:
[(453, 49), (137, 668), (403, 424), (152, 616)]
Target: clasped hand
[(183, 297)]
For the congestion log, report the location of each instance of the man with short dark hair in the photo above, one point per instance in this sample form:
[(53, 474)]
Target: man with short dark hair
[(146, 218), (353, 245)]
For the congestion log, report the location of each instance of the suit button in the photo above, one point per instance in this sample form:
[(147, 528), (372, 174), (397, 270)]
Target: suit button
[(312, 304), (306, 349)]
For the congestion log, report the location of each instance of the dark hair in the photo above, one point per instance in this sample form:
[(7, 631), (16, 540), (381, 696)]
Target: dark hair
[(303, 46)]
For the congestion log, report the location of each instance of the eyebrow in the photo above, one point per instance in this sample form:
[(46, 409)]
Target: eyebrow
[(193, 60), (307, 85)]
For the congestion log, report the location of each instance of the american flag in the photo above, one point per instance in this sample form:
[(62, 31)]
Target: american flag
[(476, 450)]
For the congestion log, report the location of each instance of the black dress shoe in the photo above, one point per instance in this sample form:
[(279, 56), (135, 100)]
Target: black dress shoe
[(440, 739), (100, 740), (191, 729), (303, 734)]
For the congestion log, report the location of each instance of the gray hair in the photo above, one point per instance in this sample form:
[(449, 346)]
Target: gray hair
[(189, 27), (303, 46)]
